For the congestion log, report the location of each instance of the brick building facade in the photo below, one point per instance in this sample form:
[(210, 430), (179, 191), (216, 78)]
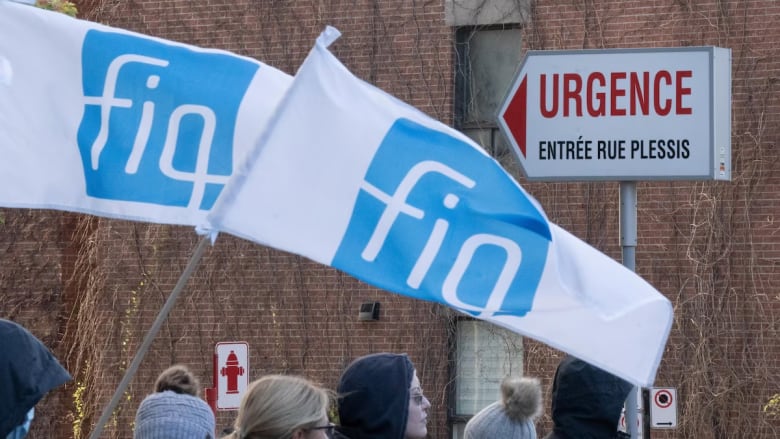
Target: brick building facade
[(90, 287)]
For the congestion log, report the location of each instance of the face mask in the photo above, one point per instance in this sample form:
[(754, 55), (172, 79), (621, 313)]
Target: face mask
[(21, 431)]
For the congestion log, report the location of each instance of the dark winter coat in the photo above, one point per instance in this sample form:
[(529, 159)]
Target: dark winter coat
[(373, 397), (586, 401), (27, 372)]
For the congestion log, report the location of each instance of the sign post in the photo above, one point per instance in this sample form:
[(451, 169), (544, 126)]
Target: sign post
[(638, 419), (622, 115), (628, 240)]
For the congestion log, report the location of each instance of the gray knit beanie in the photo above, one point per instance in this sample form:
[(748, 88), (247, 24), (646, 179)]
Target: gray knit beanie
[(169, 415), (512, 417)]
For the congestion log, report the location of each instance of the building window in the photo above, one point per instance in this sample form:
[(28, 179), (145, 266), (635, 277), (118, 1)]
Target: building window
[(484, 355), (488, 54), (487, 60), (486, 12)]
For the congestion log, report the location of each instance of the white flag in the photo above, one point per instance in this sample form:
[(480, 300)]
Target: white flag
[(351, 177), (104, 121)]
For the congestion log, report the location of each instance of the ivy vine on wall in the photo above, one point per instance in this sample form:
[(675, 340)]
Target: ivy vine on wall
[(63, 6)]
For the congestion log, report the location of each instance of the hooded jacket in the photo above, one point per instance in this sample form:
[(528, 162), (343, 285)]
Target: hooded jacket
[(586, 401), (373, 397), (28, 371)]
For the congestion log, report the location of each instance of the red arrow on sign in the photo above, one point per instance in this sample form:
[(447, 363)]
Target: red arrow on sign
[(515, 115)]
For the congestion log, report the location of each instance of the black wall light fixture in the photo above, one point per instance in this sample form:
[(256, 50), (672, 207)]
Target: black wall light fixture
[(369, 312)]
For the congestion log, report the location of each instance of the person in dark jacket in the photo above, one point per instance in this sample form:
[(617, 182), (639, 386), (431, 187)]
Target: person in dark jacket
[(586, 401), (379, 397), (28, 371)]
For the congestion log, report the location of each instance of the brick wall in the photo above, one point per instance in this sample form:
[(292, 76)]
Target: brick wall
[(90, 287)]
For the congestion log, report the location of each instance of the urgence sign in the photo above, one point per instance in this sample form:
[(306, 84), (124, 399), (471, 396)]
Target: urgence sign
[(621, 114)]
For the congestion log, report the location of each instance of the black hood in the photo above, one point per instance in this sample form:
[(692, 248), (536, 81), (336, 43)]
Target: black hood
[(27, 372), (373, 397), (586, 401)]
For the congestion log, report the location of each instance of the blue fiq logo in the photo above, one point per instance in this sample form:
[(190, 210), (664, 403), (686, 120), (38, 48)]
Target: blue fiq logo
[(438, 220), (158, 119)]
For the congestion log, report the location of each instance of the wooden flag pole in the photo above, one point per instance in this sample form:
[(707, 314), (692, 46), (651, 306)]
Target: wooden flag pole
[(150, 335)]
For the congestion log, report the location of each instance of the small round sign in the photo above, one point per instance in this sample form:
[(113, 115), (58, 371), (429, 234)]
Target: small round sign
[(663, 399)]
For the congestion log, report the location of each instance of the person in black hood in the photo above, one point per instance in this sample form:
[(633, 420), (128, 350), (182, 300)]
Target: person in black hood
[(586, 401), (379, 397), (28, 371)]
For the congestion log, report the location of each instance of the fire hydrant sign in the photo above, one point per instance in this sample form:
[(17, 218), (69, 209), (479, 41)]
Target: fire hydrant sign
[(233, 375), (622, 114)]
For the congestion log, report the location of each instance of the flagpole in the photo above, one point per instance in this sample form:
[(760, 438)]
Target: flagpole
[(151, 334)]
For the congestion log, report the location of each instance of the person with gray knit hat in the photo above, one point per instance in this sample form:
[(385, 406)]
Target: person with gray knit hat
[(175, 411), (513, 416)]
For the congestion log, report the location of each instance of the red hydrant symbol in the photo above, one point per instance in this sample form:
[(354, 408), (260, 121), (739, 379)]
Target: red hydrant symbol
[(232, 371)]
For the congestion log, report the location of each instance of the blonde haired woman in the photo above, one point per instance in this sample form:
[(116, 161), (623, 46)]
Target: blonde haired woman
[(283, 407)]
